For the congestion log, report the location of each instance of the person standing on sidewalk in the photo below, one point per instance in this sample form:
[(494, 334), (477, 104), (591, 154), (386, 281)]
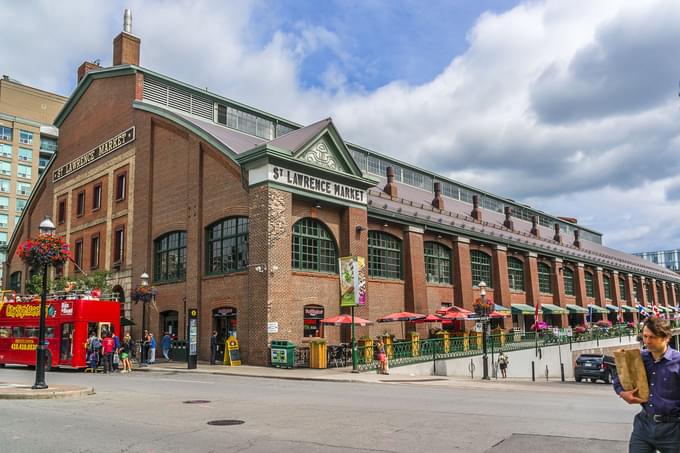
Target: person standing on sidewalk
[(657, 425), (108, 346), (213, 347), (152, 349), (166, 344), (503, 362)]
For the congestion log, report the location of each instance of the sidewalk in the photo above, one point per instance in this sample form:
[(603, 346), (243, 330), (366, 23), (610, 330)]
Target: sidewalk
[(345, 375), (10, 391)]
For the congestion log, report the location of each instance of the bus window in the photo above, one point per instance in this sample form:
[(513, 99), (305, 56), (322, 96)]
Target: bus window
[(31, 332), (104, 328), (5, 332), (92, 327), (17, 332), (66, 348), (49, 332)]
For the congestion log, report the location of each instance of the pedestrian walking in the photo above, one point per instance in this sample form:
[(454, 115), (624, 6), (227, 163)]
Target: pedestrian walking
[(166, 344), (657, 425), (213, 347), (145, 347), (116, 350), (381, 356), (94, 345), (152, 349), (108, 347), (125, 351), (503, 362)]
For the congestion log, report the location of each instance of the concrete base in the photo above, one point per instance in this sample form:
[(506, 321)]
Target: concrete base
[(9, 391)]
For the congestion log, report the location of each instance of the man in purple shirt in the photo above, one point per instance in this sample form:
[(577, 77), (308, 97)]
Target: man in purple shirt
[(657, 426)]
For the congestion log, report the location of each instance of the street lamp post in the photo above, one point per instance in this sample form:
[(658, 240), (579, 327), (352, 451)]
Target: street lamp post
[(46, 228), (145, 283), (482, 310)]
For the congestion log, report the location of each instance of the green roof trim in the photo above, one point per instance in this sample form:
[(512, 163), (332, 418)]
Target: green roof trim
[(628, 308), (597, 308), (571, 308)]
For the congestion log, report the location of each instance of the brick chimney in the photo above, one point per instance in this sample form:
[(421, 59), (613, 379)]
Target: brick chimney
[(534, 226), (391, 186), (577, 240), (476, 212), (86, 67), (126, 45), (508, 220), (438, 201), (558, 236)]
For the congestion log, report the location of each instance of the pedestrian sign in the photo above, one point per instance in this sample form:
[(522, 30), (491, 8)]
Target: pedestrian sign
[(233, 355)]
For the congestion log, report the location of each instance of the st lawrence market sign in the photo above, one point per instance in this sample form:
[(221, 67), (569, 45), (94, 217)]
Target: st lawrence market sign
[(308, 183), (100, 151)]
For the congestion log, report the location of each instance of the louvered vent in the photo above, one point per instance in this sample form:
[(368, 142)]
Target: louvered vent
[(169, 96)]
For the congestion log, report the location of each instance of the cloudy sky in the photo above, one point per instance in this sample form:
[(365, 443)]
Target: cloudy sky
[(570, 106)]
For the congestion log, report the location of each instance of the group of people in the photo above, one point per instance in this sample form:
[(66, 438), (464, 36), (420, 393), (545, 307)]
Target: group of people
[(109, 352)]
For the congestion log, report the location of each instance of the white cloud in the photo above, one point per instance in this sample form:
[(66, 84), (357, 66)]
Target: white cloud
[(570, 105)]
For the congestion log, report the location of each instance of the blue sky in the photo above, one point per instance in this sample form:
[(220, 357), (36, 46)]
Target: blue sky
[(570, 106)]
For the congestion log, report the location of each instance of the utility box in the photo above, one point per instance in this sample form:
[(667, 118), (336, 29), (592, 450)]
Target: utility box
[(317, 354), (178, 350), (283, 354)]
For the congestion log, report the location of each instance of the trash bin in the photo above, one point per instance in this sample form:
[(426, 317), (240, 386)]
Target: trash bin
[(283, 353), (178, 350), (317, 354)]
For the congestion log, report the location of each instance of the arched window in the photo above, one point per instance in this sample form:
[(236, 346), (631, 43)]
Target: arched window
[(227, 246), (622, 287), (568, 277), (437, 263), (515, 274), (15, 281), (590, 289), (544, 280), (384, 255), (481, 268), (313, 247), (607, 286), (170, 260)]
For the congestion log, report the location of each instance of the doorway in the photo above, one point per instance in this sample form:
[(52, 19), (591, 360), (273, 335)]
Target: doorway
[(170, 323), (225, 324)]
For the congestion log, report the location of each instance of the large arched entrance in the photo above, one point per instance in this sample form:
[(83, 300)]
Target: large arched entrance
[(225, 324)]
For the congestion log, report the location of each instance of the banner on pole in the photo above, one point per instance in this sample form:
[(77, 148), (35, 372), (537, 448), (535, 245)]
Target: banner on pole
[(352, 281)]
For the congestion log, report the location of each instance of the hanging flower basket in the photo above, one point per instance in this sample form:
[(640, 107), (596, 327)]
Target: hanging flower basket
[(143, 293), (44, 250)]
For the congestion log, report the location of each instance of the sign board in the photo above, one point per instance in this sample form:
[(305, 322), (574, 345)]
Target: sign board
[(479, 327), (279, 355), (272, 327), (556, 331), (233, 355), (570, 332), (89, 157), (352, 281), (192, 352)]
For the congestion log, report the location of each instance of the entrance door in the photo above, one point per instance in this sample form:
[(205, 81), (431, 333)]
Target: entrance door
[(66, 347), (225, 323)]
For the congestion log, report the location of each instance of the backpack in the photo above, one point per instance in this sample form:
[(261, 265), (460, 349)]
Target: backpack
[(95, 344)]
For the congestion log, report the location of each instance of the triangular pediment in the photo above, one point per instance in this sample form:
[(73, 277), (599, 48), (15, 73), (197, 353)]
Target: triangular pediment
[(323, 153)]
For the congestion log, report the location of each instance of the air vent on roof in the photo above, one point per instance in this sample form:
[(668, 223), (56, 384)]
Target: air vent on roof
[(176, 98)]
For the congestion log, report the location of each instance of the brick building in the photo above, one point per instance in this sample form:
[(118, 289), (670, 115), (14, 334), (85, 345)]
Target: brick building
[(243, 215)]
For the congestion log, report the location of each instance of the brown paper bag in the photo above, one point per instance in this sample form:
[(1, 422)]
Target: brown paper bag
[(631, 371)]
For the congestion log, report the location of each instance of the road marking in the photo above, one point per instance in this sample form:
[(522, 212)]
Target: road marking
[(187, 380)]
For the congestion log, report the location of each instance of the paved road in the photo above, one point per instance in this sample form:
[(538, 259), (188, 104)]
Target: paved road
[(145, 412)]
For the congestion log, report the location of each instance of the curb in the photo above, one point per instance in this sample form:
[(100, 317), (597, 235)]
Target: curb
[(26, 393)]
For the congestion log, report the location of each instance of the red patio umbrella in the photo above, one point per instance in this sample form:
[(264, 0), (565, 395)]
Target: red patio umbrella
[(345, 319), (430, 318), (402, 317), (453, 309)]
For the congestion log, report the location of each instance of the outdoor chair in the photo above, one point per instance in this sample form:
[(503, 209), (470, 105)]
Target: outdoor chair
[(336, 356)]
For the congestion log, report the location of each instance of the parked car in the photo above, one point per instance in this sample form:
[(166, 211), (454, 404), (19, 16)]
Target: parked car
[(594, 367)]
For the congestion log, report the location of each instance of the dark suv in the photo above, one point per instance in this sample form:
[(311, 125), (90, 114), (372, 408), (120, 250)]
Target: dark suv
[(594, 367)]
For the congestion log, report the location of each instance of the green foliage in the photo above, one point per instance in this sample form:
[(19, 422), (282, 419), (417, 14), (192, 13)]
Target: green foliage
[(34, 284), (85, 282)]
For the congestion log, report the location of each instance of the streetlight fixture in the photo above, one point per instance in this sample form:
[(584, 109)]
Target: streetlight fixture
[(483, 309), (46, 228), (144, 283)]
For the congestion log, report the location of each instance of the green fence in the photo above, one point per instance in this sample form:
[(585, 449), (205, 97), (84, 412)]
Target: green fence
[(407, 352)]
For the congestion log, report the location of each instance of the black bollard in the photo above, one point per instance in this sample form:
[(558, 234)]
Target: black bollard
[(562, 371), (533, 372)]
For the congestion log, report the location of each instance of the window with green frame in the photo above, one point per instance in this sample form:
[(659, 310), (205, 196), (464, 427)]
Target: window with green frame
[(437, 262), (515, 274), (590, 289), (607, 283), (227, 246), (384, 255), (170, 259), (568, 277), (481, 268), (622, 288), (544, 280), (313, 247)]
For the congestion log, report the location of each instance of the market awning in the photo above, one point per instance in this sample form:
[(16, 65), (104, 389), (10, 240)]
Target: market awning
[(522, 309), (571, 308), (597, 309), (611, 307), (552, 309), (663, 309), (126, 322), (628, 308), (501, 309)]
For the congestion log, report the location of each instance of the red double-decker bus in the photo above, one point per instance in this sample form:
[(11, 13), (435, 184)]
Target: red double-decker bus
[(67, 323)]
